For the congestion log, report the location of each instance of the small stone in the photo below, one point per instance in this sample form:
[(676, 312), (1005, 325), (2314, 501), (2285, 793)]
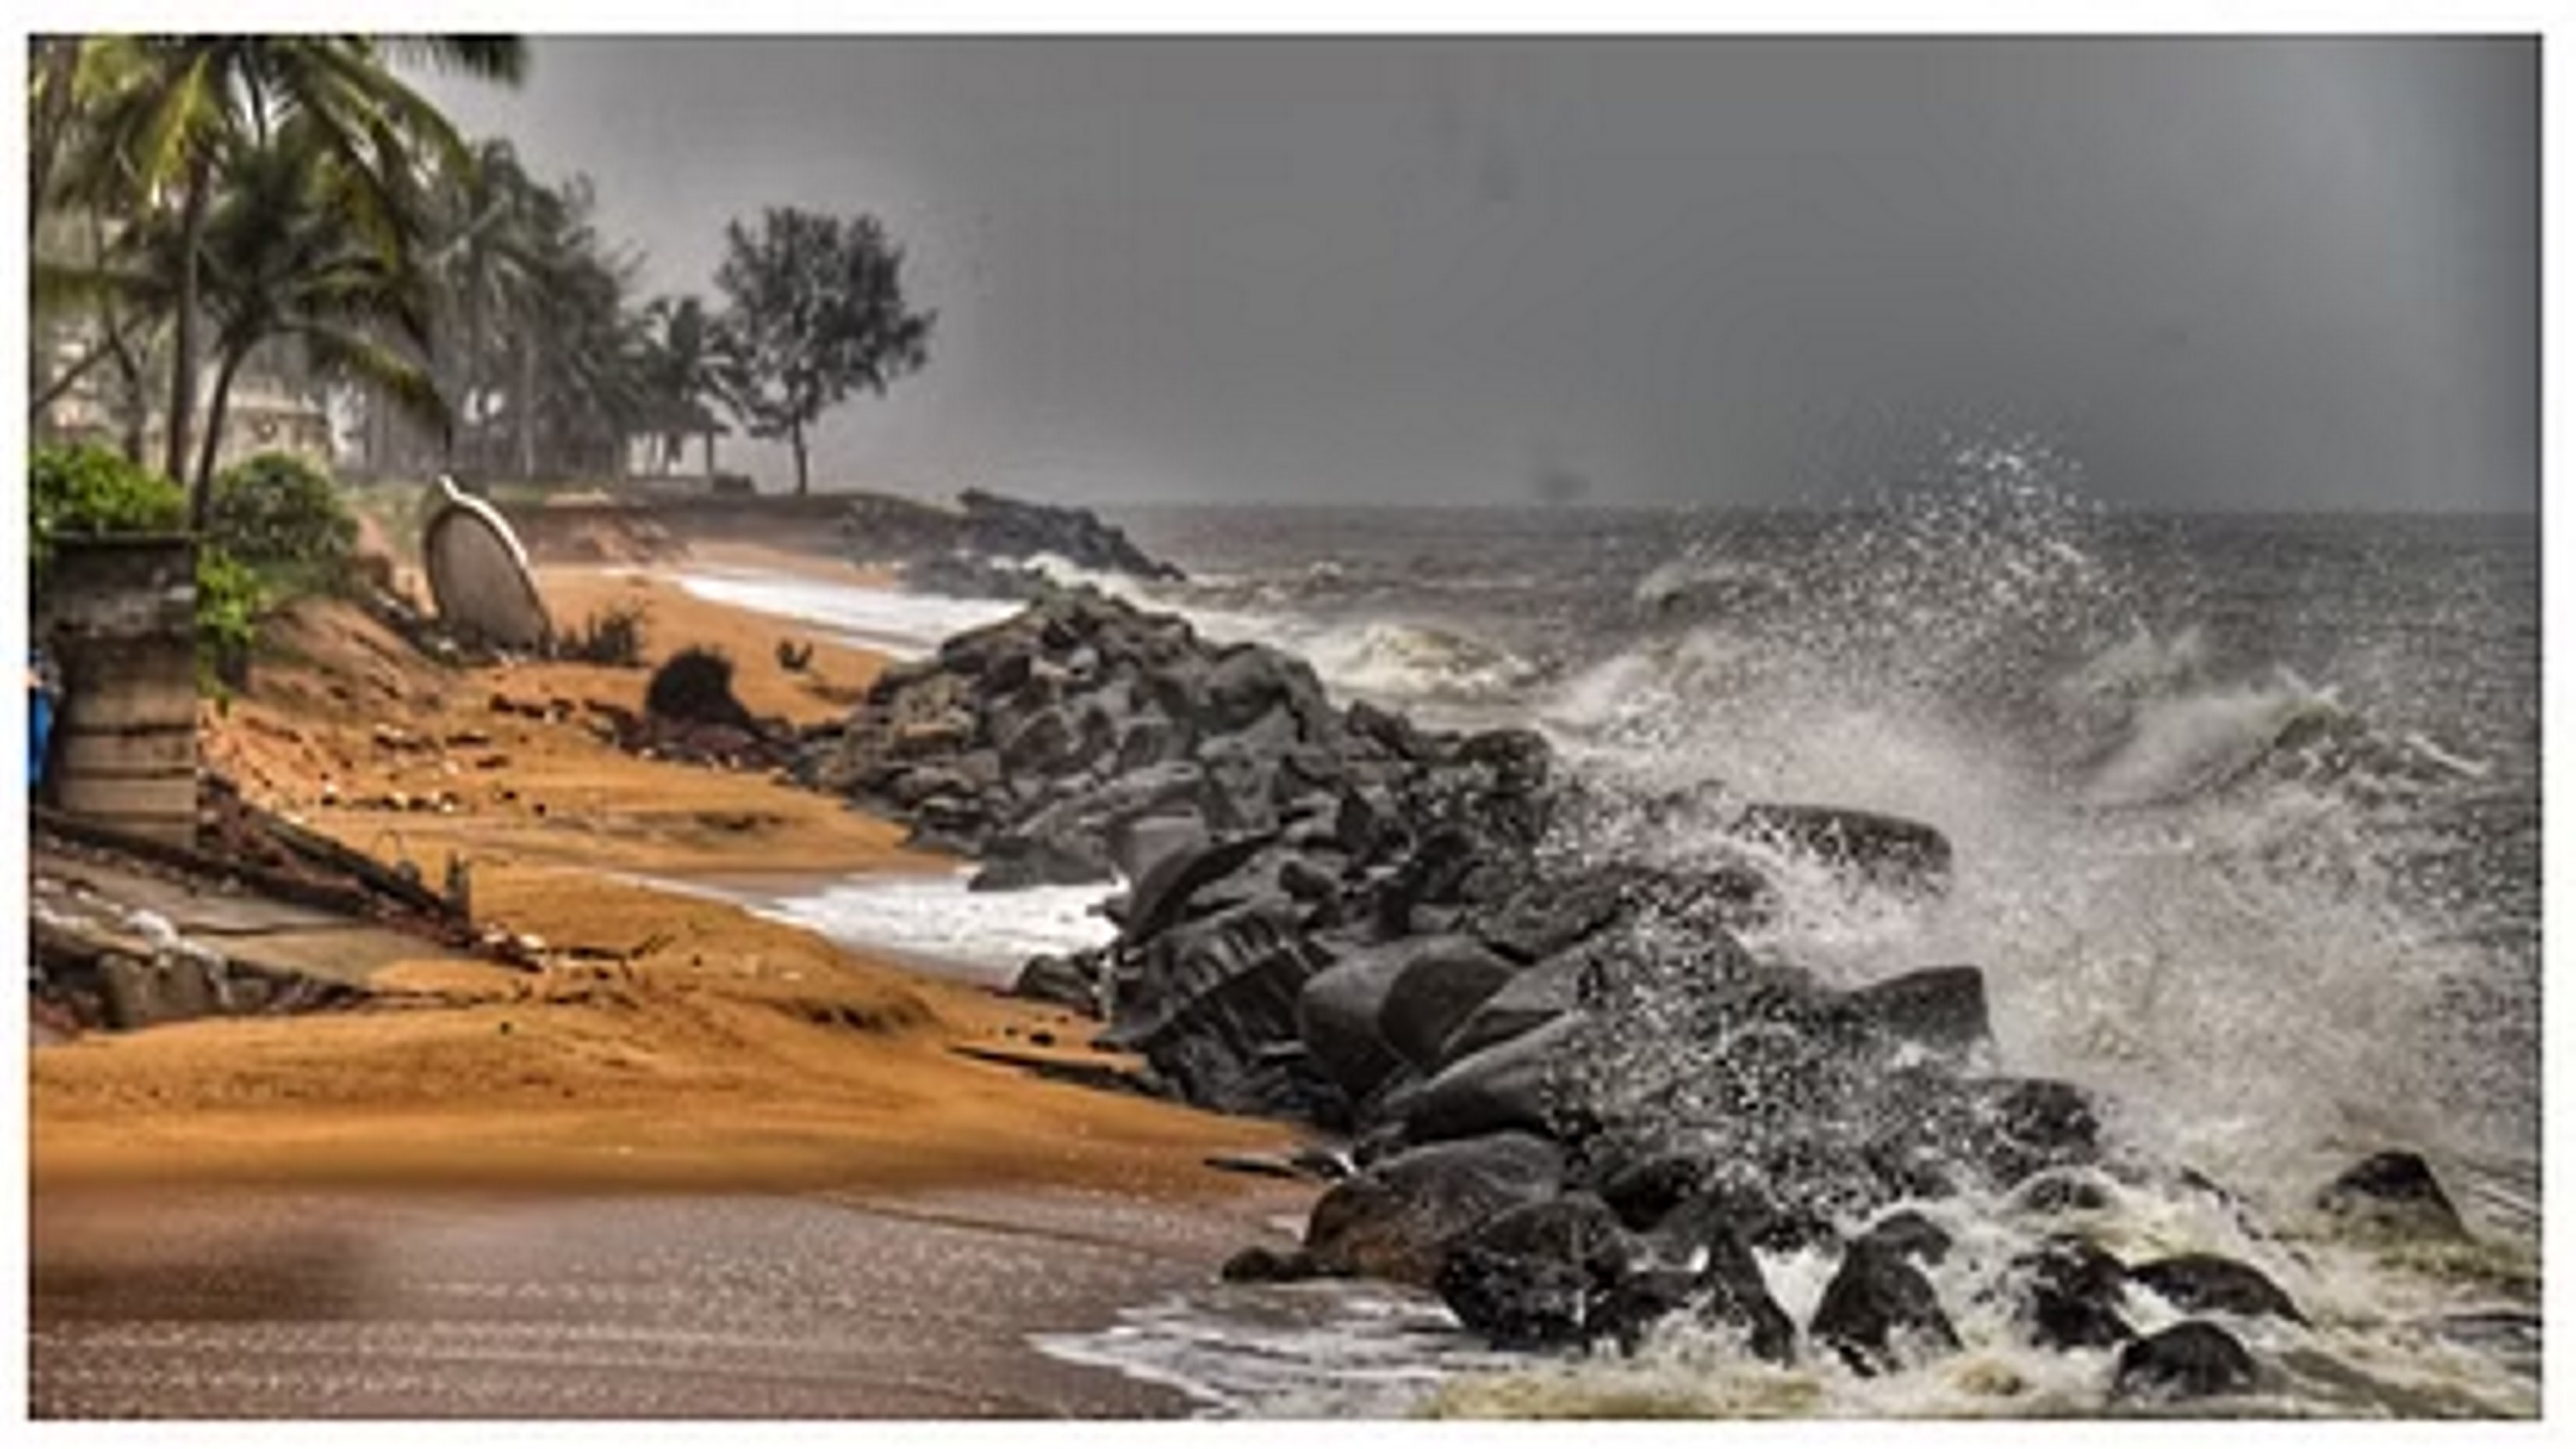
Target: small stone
[(2394, 1192), (2191, 1360)]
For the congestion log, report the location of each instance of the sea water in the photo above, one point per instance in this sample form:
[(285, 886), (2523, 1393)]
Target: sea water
[(2247, 828)]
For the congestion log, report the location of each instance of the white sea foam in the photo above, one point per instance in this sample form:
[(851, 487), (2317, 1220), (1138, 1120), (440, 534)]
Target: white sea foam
[(2187, 892), (935, 921), (904, 625)]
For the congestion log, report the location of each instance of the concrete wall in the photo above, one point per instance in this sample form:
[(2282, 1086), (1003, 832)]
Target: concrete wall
[(120, 619)]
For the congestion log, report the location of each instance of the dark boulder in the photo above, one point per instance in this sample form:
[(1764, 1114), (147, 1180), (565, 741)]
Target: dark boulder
[(1044, 745), (1211, 1003), (1516, 1084), (1546, 917), (1880, 1313), (1140, 844), (1269, 1265), (2191, 1360), (1709, 1274), (1532, 998), (1537, 1275), (1337, 1016), (1645, 1190), (1248, 681), (2206, 1283), (1909, 1235), (1941, 1008), (2069, 1295), (1888, 852), (1444, 979), (2394, 1192), (1068, 981), (1163, 897), (1740, 1201), (2019, 1126), (1396, 1219), (2060, 1190)]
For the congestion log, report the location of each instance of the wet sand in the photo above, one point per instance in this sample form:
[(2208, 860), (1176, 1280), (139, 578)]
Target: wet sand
[(311, 1305)]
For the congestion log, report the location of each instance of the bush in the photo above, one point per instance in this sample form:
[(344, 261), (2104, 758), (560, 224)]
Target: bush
[(283, 518), (695, 686), (93, 490), (614, 636), (230, 599), (275, 528)]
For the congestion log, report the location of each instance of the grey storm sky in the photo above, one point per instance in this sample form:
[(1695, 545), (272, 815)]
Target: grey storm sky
[(2229, 273)]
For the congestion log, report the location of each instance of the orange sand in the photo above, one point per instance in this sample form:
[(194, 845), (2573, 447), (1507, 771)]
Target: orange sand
[(670, 1042)]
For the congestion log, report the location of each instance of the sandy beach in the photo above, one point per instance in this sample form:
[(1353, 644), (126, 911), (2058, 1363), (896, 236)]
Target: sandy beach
[(674, 1048)]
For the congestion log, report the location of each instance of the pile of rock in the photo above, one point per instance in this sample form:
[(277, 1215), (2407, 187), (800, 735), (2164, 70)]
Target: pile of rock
[(945, 549), (1577, 1103)]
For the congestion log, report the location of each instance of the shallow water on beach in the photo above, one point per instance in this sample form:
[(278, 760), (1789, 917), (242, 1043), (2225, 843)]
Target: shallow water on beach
[(262, 1304)]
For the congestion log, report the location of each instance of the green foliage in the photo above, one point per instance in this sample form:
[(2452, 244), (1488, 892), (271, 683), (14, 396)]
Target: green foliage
[(814, 310), (231, 597), (283, 518), (93, 490), (279, 530)]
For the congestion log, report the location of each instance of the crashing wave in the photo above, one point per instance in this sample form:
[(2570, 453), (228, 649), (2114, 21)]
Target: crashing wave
[(1415, 661), (1693, 587)]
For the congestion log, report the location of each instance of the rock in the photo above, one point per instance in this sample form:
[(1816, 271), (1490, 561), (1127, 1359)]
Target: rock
[(1894, 854), (1211, 1004), (1163, 895), (2060, 1190), (1909, 1235), (1548, 917), (2206, 1283), (1880, 1313), (1941, 1008), (1248, 681), (2070, 1294), (1516, 1084), (2394, 1192), (1536, 1275), (929, 739), (1068, 981), (2191, 1360), (1301, 877), (1716, 1280), (1137, 847), (1337, 1016), (1531, 999), (1443, 980), (1737, 1202), (1396, 1219), (1017, 862), (1044, 745), (2024, 1125), (1269, 1265), (1645, 1191)]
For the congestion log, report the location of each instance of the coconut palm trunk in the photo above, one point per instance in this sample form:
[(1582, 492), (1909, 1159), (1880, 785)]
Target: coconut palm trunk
[(523, 406), (214, 441), (183, 348)]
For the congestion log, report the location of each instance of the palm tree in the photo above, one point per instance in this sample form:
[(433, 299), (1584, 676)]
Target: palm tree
[(679, 373), (284, 253), (179, 110)]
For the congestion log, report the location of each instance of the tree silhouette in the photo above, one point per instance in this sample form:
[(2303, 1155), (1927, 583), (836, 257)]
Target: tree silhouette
[(814, 310)]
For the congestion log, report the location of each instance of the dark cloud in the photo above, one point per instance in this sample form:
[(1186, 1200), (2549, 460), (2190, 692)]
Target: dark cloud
[(2296, 273)]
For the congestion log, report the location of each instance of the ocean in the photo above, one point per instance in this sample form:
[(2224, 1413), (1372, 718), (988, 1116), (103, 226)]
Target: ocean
[(2246, 811)]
